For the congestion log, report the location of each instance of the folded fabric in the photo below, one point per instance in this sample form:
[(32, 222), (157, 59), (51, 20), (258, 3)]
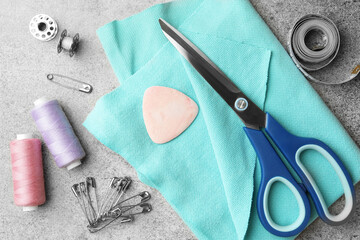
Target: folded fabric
[(209, 173)]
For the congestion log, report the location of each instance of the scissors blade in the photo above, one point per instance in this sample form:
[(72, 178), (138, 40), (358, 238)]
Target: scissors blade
[(249, 112)]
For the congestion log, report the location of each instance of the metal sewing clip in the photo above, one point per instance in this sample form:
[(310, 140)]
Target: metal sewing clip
[(71, 83)]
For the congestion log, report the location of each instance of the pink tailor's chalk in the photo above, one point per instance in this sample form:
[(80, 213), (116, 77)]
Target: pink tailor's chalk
[(167, 113)]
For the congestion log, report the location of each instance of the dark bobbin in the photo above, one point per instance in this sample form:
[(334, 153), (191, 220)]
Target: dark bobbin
[(71, 43)]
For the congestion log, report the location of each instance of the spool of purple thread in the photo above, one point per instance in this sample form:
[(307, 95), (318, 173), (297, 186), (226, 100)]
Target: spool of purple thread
[(57, 133)]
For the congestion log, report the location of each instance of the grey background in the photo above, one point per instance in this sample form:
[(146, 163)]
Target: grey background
[(24, 62)]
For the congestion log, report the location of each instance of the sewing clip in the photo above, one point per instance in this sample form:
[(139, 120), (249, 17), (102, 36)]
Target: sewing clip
[(70, 83)]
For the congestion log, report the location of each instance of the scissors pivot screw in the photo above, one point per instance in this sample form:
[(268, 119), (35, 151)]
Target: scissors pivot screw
[(241, 104)]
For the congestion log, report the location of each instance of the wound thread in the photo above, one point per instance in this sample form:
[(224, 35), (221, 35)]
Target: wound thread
[(27, 172), (57, 133)]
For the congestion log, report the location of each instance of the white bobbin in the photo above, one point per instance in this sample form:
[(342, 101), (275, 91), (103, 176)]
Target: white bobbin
[(43, 27)]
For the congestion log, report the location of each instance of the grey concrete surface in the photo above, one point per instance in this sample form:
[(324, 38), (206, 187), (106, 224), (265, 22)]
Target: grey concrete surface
[(24, 62)]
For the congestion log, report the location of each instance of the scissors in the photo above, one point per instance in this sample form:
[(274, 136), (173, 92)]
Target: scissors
[(257, 123)]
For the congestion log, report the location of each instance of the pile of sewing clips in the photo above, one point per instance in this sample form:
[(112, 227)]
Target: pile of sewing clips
[(112, 206)]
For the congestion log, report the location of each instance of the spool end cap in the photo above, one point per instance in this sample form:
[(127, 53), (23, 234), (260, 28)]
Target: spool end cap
[(41, 101), (74, 164), (24, 136), (29, 208)]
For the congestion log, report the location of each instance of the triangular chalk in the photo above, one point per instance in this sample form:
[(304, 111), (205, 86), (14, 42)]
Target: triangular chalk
[(167, 113)]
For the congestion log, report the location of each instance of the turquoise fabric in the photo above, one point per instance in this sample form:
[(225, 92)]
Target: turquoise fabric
[(209, 174)]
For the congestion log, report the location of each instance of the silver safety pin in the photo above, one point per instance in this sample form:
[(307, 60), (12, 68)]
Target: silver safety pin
[(87, 202), (77, 192), (123, 186), (145, 208), (117, 213), (71, 83), (104, 223), (91, 188), (144, 197), (114, 183), (118, 188)]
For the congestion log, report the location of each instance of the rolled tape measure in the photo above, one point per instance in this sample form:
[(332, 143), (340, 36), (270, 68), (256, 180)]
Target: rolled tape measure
[(313, 44), (43, 27)]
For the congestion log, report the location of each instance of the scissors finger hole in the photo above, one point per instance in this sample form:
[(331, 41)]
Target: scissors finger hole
[(313, 186), (302, 212), (281, 200), (320, 171)]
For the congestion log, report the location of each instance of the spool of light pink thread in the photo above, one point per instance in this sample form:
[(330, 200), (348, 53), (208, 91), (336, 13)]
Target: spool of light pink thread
[(27, 171)]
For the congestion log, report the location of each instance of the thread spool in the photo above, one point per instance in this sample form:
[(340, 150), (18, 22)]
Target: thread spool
[(43, 27), (27, 171), (57, 133), (67, 43)]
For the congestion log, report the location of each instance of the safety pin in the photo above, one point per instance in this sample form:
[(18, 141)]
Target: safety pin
[(125, 184), (91, 184), (118, 209), (100, 224), (84, 87), (112, 190), (144, 197), (87, 202), (116, 213), (77, 193), (112, 185), (145, 208)]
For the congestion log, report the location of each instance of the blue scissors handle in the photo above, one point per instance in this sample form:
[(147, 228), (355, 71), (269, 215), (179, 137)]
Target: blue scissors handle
[(273, 169), (292, 147)]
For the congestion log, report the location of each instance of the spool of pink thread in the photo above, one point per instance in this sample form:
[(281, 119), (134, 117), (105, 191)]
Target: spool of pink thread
[(27, 171)]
